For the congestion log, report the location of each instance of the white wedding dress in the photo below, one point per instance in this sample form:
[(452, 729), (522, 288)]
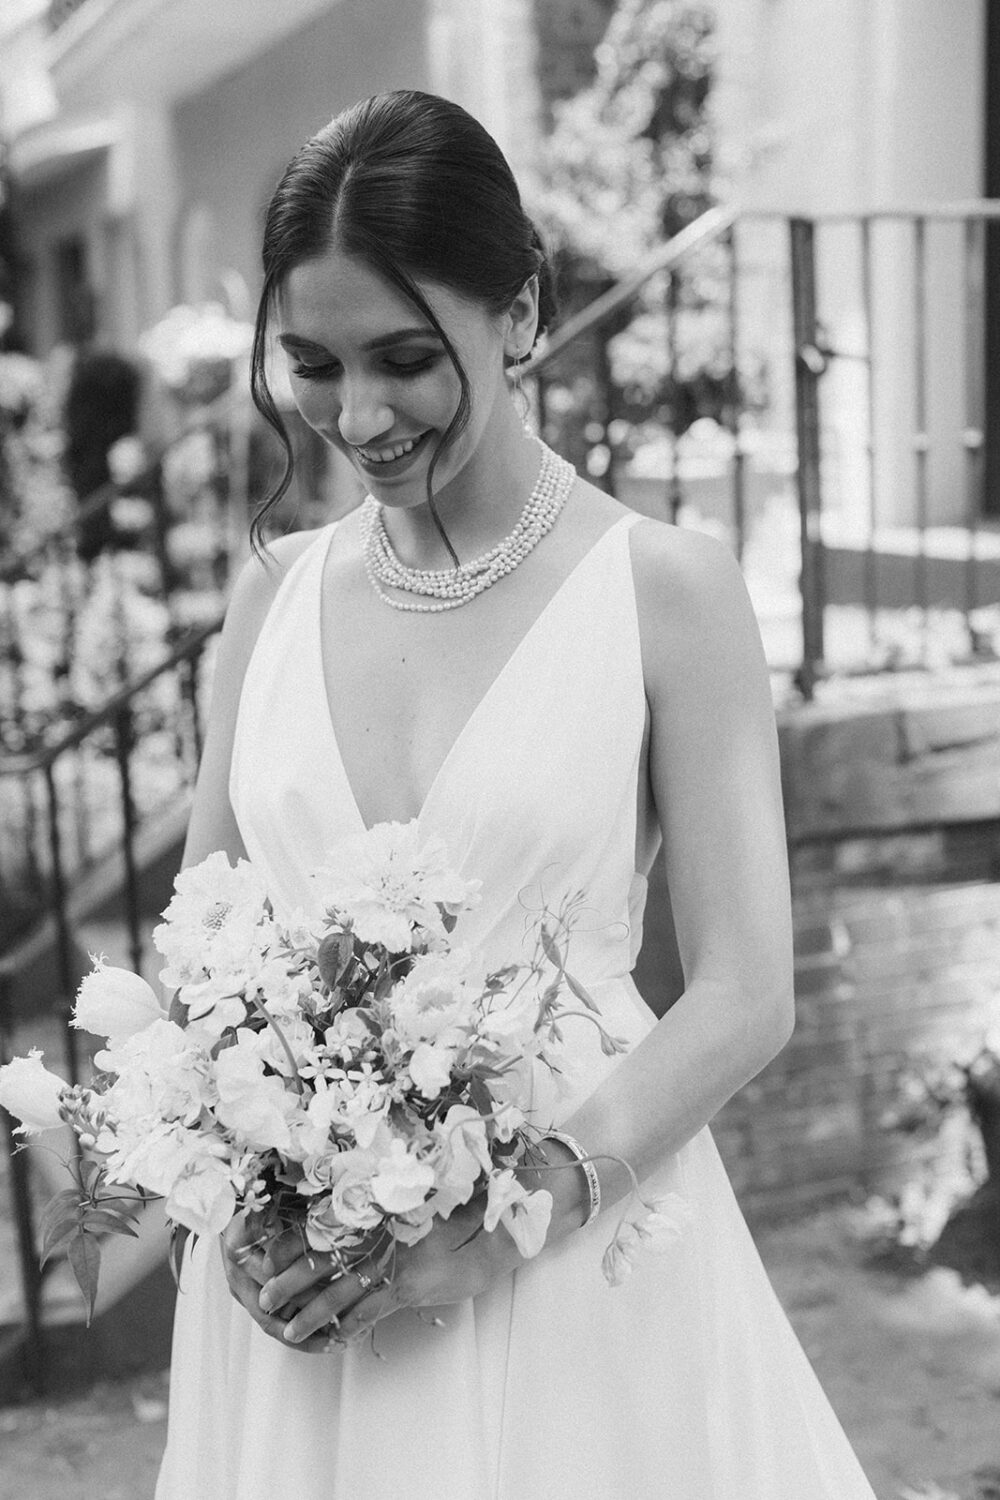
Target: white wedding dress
[(686, 1383)]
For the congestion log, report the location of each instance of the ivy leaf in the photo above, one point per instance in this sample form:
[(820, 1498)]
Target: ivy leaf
[(84, 1255)]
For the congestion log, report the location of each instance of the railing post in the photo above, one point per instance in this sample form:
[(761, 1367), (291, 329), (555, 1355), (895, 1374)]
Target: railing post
[(810, 364), (124, 740), (20, 1190), (64, 938)]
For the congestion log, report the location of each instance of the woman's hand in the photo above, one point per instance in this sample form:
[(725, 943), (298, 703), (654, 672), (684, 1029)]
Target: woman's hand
[(440, 1269), (248, 1265)]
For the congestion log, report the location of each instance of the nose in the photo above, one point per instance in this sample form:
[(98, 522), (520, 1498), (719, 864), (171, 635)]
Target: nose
[(364, 414)]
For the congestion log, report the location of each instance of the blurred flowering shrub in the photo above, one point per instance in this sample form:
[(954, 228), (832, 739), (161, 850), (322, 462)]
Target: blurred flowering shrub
[(195, 351)]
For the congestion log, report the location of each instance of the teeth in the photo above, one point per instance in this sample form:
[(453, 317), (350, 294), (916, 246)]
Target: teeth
[(386, 455)]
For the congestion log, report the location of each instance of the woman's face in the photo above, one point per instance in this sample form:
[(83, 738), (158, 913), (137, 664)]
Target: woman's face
[(371, 375)]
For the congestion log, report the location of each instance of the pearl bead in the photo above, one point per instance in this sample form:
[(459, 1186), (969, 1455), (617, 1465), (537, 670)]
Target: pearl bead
[(453, 587)]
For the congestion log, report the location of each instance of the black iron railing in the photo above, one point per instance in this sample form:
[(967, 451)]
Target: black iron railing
[(166, 702), (884, 481)]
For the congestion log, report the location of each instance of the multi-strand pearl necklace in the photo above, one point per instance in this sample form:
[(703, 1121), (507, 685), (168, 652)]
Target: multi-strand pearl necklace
[(451, 587)]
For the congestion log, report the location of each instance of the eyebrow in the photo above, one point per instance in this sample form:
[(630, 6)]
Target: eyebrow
[(383, 341)]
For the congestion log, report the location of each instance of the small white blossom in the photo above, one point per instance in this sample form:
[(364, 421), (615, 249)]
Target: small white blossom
[(31, 1093)]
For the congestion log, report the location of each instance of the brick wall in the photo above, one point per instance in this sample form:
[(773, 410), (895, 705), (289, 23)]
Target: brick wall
[(897, 935)]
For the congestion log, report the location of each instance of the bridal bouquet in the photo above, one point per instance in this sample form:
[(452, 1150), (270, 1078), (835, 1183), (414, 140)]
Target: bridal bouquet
[(348, 1073)]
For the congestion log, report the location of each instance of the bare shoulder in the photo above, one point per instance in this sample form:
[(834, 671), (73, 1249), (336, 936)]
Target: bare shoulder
[(262, 575), (692, 602)]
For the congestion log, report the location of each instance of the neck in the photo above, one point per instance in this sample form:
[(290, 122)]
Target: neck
[(478, 507)]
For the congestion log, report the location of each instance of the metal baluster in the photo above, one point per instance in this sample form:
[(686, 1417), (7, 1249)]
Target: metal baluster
[(190, 690), (20, 1191), (975, 405), (734, 399), (809, 366), (675, 496), (64, 938), (921, 436), (124, 741), (870, 576)]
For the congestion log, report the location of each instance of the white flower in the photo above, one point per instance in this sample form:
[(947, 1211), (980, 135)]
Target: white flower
[(387, 883), (203, 1198), (255, 1105), (350, 1203), (216, 922), (157, 1158), (162, 1072), (430, 1068), (401, 1181), (654, 1225), (524, 1215), (436, 1002), (510, 1019), (115, 1003), (31, 1093), (464, 1157)]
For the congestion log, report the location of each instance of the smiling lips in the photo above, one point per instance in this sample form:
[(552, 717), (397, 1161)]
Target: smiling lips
[(389, 455)]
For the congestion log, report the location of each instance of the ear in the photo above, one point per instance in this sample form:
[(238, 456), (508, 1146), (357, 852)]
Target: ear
[(521, 321)]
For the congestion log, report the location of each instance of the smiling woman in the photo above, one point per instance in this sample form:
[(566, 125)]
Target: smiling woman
[(582, 686)]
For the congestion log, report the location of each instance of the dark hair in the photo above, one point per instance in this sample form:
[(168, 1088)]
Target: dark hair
[(416, 188)]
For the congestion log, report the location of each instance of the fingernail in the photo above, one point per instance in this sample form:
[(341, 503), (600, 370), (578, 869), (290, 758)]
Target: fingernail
[(291, 1334)]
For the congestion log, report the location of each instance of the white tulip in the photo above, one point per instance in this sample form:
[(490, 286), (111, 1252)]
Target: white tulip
[(29, 1091), (115, 1003)]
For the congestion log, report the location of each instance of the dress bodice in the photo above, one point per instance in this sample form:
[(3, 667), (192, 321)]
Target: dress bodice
[(536, 797)]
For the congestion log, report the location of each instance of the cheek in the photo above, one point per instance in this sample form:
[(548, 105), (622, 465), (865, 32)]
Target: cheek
[(315, 406)]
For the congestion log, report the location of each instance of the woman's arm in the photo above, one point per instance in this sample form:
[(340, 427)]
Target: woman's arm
[(715, 776)]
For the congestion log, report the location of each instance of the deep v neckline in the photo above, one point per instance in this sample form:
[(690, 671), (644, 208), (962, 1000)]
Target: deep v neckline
[(480, 706)]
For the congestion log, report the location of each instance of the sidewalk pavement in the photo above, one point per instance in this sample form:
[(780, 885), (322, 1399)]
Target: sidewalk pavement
[(911, 1365)]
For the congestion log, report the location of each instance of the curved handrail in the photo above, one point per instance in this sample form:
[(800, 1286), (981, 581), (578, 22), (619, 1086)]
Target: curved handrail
[(709, 226), (41, 760)]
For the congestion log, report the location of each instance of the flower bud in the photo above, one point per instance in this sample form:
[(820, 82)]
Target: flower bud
[(31, 1093), (115, 1003)]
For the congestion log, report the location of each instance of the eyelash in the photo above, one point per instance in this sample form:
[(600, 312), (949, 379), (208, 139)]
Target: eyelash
[(328, 372)]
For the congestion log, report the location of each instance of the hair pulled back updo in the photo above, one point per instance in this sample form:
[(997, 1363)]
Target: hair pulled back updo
[(416, 189)]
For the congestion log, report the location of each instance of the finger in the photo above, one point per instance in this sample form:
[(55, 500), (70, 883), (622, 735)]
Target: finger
[(246, 1292), (307, 1273), (339, 1306), (282, 1252), (360, 1318)]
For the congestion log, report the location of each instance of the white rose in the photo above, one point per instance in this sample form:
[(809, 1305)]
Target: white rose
[(31, 1093), (115, 1003)]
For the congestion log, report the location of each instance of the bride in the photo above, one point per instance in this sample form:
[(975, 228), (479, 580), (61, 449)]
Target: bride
[(554, 686)]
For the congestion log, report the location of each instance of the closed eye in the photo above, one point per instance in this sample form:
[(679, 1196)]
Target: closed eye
[(402, 369)]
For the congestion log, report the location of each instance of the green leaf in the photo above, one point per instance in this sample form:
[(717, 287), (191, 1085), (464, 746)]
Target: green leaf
[(178, 1012), (98, 1222), (84, 1255), (581, 994), (57, 1237), (55, 1209), (551, 948), (179, 1236)]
